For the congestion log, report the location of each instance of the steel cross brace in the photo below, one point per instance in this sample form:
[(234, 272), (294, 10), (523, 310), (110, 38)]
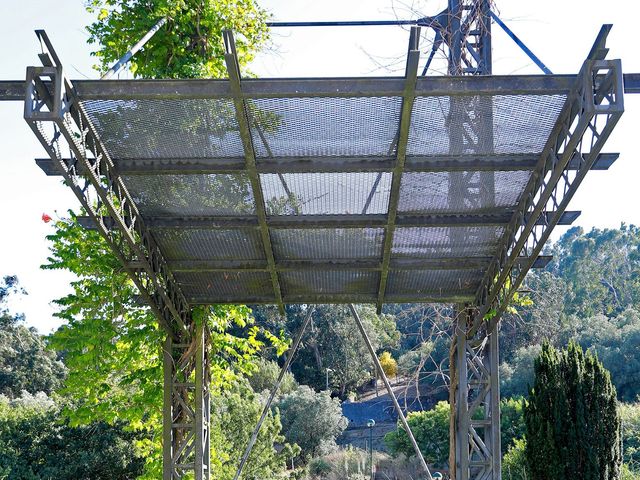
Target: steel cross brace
[(60, 123)]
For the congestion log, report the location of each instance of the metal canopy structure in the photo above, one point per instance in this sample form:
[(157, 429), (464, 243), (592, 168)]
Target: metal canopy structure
[(331, 190), (325, 191)]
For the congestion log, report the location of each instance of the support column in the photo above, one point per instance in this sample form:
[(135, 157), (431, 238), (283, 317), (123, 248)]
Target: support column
[(476, 411), (186, 410)]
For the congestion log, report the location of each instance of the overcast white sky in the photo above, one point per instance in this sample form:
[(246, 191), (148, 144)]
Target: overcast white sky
[(559, 32)]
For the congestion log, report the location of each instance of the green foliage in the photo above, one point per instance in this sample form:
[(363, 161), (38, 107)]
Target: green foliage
[(572, 422), (516, 376), (430, 429), (189, 45), (312, 420), (512, 425), (630, 417), (602, 268), (514, 462), (234, 414), (36, 445), (265, 375), (25, 362), (616, 340), (112, 345)]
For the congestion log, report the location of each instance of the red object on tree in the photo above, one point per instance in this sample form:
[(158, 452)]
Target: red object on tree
[(46, 218)]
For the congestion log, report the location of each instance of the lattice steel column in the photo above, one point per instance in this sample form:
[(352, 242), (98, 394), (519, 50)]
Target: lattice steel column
[(186, 410), (474, 398), (476, 419)]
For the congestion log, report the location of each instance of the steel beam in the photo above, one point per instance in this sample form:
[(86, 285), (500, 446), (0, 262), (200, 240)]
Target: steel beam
[(445, 263), (408, 97), (439, 163), (500, 217), (138, 89), (242, 117), (381, 374), (274, 391)]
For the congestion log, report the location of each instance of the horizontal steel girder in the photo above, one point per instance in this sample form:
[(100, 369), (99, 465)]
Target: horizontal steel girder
[(337, 221), (13, 90), (453, 263), (177, 166)]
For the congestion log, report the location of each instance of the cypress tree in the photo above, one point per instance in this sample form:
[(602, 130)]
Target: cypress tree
[(572, 421)]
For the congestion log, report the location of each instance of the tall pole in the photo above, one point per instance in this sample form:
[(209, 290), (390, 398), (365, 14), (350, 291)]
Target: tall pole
[(133, 50), (371, 423)]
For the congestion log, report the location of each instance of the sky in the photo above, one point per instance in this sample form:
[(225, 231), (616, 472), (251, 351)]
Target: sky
[(559, 32)]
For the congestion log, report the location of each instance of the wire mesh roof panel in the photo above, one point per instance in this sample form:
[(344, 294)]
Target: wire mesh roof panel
[(446, 192), (323, 162), (508, 124), (326, 193), (191, 195), (210, 244), (327, 244), (319, 127), (188, 128), (438, 242)]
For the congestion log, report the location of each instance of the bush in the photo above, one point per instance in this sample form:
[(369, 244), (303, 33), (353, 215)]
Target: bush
[(36, 444), (430, 429), (630, 416), (514, 462), (572, 422), (311, 420), (389, 365)]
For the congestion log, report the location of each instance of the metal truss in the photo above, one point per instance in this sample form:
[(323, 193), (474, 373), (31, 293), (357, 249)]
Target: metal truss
[(475, 391), (60, 123), (591, 111)]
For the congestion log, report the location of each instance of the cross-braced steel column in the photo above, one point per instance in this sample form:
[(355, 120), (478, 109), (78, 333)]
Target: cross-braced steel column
[(475, 418), (475, 392), (186, 410)]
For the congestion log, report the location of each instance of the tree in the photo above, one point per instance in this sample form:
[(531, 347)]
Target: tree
[(189, 45), (311, 420), (35, 444), (234, 414), (516, 377), (265, 375), (333, 341), (112, 345), (572, 422), (25, 361)]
